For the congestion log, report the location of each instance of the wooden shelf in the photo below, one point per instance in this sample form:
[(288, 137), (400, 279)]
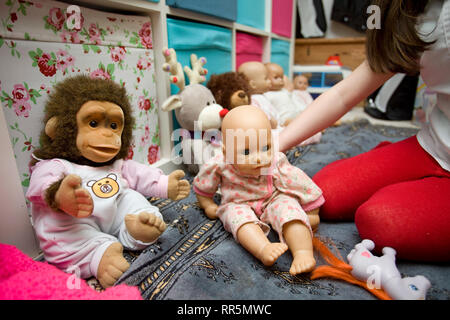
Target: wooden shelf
[(352, 51)]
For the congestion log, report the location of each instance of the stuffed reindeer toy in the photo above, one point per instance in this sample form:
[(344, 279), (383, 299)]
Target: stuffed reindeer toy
[(195, 110)]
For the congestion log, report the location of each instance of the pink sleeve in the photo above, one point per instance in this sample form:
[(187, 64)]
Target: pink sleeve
[(207, 181), (293, 180), (149, 181), (43, 175)]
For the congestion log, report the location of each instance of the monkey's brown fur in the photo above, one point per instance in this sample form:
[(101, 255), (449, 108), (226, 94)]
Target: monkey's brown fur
[(65, 101), (224, 85)]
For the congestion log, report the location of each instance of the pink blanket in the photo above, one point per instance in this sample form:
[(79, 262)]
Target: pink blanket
[(22, 278)]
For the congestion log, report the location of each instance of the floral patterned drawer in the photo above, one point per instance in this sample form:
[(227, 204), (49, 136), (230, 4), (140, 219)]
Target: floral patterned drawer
[(41, 44)]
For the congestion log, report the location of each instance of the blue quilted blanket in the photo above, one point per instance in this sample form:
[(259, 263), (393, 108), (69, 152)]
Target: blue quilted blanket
[(197, 259)]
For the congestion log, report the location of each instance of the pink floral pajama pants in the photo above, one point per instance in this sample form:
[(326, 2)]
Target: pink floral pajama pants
[(276, 211)]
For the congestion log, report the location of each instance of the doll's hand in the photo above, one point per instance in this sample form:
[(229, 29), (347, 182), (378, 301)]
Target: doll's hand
[(72, 199), (178, 189)]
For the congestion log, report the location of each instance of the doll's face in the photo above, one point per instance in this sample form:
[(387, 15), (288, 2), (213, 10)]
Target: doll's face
[(257, 75), (276, 76), (247, 140), (301, 83), (100, 125)]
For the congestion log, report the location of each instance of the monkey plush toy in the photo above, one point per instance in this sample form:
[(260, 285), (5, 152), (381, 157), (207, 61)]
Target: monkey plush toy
[(87, 200)]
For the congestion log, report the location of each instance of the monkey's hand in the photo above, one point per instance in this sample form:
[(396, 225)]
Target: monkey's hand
[(72, 199), (178, 189)]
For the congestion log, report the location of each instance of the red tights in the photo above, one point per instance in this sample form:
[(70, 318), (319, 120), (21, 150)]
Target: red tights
[(398, 196)]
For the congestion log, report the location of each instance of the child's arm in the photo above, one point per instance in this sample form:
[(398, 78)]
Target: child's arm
[(332, 105)]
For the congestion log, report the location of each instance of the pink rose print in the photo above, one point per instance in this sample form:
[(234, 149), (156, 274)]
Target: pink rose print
[(144, 64), (130, 153), (100, 73), (144, 104), (153, 154), (13, 17), (118, 53), (56, 18), (20, 93), (94, 33), (146, 35), (43, 64), (67, 36), (22, 108)]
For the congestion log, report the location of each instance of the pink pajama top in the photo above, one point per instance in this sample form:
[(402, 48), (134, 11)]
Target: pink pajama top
[(235, 187)]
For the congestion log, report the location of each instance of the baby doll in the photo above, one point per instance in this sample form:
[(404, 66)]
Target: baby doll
[(259, 83), (260, 187), (279, 97), (87, 200), (300, 93)]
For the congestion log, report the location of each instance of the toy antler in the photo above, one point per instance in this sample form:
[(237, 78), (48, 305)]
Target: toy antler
[(174, 67), (197, 74)]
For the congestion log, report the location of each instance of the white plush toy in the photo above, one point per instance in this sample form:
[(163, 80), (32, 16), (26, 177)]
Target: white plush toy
[(195, 109), (381, 272)]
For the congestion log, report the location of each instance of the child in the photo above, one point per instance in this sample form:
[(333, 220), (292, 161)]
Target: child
[(260, 187), (398, 194)]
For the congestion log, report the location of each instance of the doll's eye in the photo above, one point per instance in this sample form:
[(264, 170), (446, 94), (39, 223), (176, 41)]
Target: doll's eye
[(246, 152), (93, 123), (113, 126), (265, 148)]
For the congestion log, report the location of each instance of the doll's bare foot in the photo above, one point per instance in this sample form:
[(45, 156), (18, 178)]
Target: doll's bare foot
[(303, 262), (271, 252), (145, 227), (73, 199), (112, 265)]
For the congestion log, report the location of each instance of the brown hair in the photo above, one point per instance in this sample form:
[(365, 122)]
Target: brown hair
[(396, 47), (65, 101)]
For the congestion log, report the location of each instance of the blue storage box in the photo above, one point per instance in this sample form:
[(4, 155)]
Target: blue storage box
[(280, 54), (226, 9), (205, 40), (252, 13)]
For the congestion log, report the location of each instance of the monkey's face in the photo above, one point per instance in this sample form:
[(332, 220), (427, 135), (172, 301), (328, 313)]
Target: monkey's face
[(100, 125)]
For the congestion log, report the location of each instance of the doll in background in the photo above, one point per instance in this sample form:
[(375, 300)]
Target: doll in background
[(87, 200), (259, 82), (279, 97), (300, 92), (260, 187)]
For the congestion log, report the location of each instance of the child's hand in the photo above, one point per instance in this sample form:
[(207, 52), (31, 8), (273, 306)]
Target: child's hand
[(178, 189), (73, 199)]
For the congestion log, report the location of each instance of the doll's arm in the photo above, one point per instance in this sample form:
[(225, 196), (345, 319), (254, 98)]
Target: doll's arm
[(206, 184), (332, 105), (208, 204), (52, 185), (149, 181)]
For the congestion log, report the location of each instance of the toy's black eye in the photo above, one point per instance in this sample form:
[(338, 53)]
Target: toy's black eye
[(246, 152), (208, 103), (93, 123), (113, 126)]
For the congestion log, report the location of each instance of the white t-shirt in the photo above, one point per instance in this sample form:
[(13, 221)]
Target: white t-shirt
[(434, 136)]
